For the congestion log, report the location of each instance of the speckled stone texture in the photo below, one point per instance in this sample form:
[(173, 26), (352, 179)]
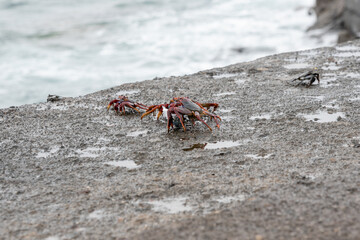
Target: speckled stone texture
[(283, 165)]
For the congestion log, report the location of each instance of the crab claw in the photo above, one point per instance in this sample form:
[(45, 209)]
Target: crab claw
[(112, 103), (150, 110), (159, 113)]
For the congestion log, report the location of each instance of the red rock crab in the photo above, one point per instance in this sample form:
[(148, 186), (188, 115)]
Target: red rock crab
[(184, 106), (120, 103)]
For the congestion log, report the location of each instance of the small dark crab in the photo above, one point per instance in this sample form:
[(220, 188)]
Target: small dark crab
[(120, 103), (307, 79), (183, 106)]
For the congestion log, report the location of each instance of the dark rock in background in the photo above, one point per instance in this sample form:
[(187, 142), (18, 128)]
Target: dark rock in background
[(352, 17), (328, 12), (338, 15)]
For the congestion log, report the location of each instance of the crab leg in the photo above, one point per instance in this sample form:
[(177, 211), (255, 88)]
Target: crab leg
[(192, 121), (117, 107), (159, 113), (301, 82), (184, 111), (207, 106), (177, 112), (216, 121), (148, 112), (122, 108), (169, 121), (311, 82), (153, 108), (140, 105), (112, 103), (130, 106), (197, 115)]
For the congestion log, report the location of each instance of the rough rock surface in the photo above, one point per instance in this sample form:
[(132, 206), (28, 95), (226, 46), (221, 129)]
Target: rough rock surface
[(284, 165)]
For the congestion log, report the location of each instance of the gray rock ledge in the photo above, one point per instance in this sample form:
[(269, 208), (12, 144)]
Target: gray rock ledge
[(290, 167)]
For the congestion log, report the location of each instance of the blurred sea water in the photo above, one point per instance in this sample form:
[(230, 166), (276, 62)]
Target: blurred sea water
[(71, 48)]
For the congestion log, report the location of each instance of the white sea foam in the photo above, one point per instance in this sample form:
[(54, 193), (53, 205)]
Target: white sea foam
[(331, 67), (70, 48), (226, 110), (323, 116), (228, 118), (229, 199), (328, 80), (354, 99), (353, 75), (127, 92), (256, 156), (53, 238), (240, 81), (262, 116), (310, 53), (222, 144), (93, 152), (225, 75), (297, 66), (225, 94), (136, 133), (130, 164), (171, 205), (347, 54), (97, 214), (43, 154), (347, 48), (320, 98)]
